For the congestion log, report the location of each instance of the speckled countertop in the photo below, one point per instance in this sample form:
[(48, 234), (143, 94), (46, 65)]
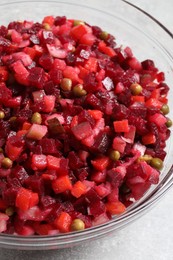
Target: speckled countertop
[(148, 238)]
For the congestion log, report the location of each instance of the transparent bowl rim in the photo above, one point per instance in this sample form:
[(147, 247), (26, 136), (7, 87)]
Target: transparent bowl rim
[(140, 207)]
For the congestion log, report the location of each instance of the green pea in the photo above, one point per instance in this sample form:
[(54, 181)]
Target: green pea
[(66, 84), (146, 157), (136, 89), (2, 114), (157, 163), (104, 35), (78, 90), (36, 118), (169, 123), (78, 22), (114, 155), (165, 109), (77, 225), (6, 163), (9, 211)]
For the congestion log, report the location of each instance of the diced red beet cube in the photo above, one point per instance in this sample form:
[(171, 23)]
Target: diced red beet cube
[(103, 190), (98, 176), (35, 183), (20, 173), (55, 75), (101, 143), (37, 77), (114, 195), (96, 209), (74, 161), (46, 61), (50, 146), (91, 196), (82, 130), (116, 175), (101, 219)]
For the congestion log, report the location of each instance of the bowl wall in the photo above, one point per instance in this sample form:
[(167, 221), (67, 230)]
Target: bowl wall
[(148, 40)]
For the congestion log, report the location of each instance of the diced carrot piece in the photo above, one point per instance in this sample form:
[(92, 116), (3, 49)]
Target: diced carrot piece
[(48, 177), (83, 72), (100, 164), (21, 133), (140, 99), (61, 184), (63, 222), (78, 189), (105, 49), (49, 20), (91, 64), (149, 139), (153, 102), (155, 93), (26, 199), (115, 208), (26, 126), (78, 31), (96, 114), (31, 52), (12, 151), (121, 126), (164, 100), (53, 162)]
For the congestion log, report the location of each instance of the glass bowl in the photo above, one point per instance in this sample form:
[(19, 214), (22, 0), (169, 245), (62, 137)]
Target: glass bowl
[(148, 39)]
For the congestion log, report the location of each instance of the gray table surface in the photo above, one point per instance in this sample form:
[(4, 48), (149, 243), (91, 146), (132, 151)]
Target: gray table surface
[(148, 238)]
